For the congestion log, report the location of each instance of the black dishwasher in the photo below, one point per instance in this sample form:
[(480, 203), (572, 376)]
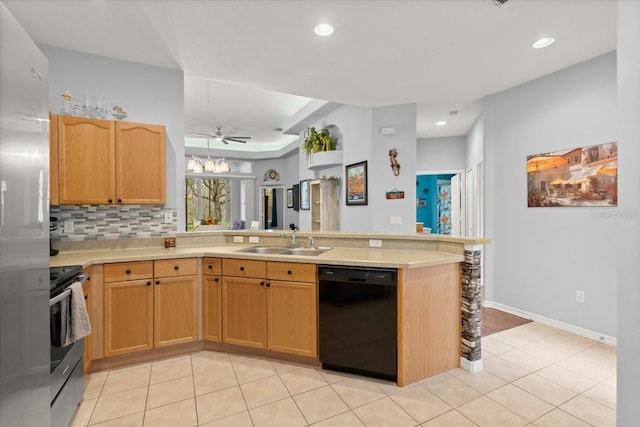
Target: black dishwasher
[(358, 320)]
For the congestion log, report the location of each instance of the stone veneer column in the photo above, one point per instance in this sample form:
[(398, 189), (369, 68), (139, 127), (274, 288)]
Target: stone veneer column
[(470, 349)]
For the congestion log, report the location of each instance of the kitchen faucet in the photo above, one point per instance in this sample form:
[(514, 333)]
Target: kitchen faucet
[(292, 239)]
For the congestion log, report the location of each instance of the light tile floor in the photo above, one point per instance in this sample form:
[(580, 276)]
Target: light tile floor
[(534, 375)]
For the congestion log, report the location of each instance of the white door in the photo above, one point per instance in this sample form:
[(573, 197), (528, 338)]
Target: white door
[(455, 205)]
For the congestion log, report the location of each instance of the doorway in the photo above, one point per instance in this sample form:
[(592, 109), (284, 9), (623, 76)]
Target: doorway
[(440, 202), (272, 208)]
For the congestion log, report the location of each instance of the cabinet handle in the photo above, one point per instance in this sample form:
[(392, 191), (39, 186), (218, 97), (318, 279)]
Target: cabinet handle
[(86, 297), (216, 279), (241, 268), (110, 200), (289, 272), (175, 267), (119, 200), (157, 282), (128, 272), (210, 267), (149, 283), (268, 284), (261, 283)]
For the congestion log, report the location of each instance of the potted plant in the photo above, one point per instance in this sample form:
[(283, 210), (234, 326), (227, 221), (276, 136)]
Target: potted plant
[(315, 140)]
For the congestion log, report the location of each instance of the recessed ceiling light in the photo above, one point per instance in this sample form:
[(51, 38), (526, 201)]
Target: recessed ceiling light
[(441, 123), (543, 42), (323, 30)]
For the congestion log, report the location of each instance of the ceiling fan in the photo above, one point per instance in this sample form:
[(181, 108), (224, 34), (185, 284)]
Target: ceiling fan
[(218, 135)]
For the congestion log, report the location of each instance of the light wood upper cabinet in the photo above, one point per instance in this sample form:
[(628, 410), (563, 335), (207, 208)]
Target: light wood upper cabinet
[(107, 162), (140, 163), (86, 163)]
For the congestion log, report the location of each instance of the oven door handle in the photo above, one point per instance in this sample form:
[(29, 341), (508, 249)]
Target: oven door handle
[(67, 292), (53, 301)]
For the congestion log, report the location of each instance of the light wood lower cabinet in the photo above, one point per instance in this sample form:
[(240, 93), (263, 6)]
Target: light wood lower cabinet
[(212, 299), (144, 312), (292, 318), (128, 316), (275, 310)]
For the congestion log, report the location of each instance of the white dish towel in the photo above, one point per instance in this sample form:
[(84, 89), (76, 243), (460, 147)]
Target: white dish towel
[(78, 325)]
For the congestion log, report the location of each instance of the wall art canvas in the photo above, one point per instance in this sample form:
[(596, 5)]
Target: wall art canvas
[(582, 176), (356, 183)]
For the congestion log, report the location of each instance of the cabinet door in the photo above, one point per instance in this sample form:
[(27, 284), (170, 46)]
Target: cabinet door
[(175, 315), (212, 308), (244, 311), (86, 169), (128, 316), (140, 163), (292, 318)]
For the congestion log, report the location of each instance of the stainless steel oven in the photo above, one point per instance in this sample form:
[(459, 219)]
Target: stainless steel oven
[(67, 384)]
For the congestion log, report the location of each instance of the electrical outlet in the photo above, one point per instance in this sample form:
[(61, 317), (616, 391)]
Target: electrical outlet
[(238, 239), (168, 217), (374, 243), (580, 296), (395, 220), (254, 239), (68, 226)]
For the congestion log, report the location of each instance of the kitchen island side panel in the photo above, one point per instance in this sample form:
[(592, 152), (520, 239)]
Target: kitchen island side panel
[(428, 322)]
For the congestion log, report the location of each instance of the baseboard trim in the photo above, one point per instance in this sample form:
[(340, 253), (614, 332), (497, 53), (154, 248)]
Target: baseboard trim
[(472, 367), (577, 330)]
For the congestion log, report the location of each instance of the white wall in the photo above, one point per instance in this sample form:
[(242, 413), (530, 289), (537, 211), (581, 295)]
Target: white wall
[(628, 226), (475, 144), (381, 178), (441, 154), (151, 94), (354, 124), (539, 257)]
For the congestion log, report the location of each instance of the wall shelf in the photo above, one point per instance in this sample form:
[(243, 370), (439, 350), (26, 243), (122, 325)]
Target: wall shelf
[(324, 159)]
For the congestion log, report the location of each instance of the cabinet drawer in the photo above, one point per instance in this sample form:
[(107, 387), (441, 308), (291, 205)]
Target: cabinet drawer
[(122, 271), (176, 267), (291, 271), (244, 268), (212, 266)]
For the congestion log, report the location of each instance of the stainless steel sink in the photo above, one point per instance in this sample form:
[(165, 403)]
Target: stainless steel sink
[(304, 251), (264, 250), (278, 250)]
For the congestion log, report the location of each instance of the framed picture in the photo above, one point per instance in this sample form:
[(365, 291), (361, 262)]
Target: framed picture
[(356, 183), (296, 197), (289, 197), (304, 195)]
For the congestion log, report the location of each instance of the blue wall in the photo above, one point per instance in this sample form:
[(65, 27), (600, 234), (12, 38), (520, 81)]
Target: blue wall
[(427, 188)]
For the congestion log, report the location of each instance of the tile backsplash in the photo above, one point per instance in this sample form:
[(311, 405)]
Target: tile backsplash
[(105, 222)]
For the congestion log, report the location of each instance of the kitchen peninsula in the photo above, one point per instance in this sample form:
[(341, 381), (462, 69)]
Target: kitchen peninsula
[(438, 291)]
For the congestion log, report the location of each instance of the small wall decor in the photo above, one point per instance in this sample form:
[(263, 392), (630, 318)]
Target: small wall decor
[(395, 166), (395, 194), (289, 197), (271, 175), (304, 195), (356, 183), (582, 176), (421, 203)]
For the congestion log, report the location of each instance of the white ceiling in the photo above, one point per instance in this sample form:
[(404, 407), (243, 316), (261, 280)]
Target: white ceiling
[(442, 55)]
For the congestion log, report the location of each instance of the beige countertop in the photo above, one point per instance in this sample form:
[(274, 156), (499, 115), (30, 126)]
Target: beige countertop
[(365, 257)]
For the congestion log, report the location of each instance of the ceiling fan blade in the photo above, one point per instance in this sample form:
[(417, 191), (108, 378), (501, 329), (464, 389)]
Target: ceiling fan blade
[(238, 137), (232, 139)]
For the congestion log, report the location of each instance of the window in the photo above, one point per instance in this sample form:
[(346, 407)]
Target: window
[(208, 200)]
